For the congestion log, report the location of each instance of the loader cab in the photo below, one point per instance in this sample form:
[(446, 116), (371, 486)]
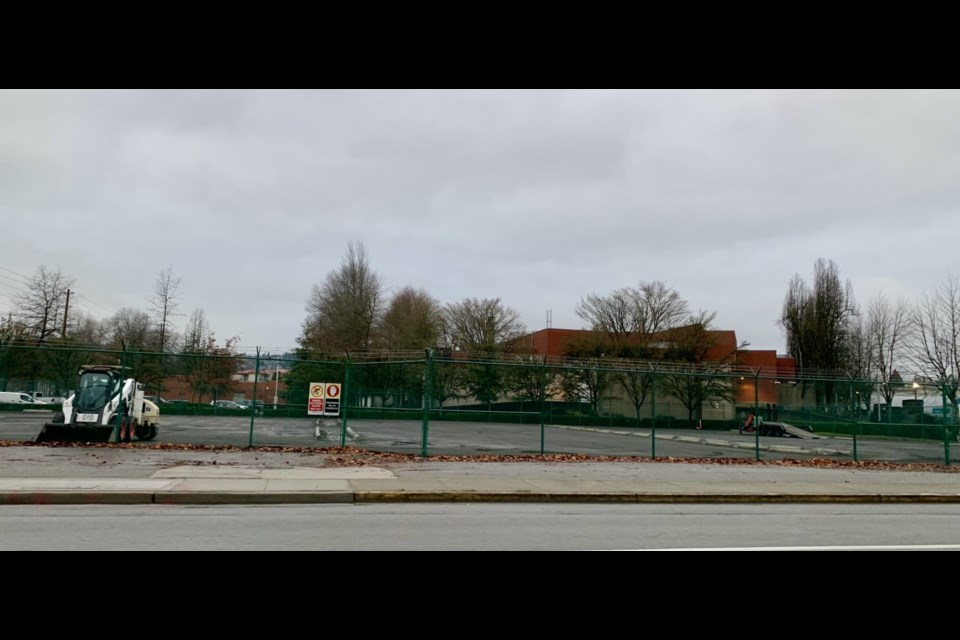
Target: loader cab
[(97, 387)]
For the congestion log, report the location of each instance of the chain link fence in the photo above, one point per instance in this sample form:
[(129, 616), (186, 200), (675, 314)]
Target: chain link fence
[(451, 403)]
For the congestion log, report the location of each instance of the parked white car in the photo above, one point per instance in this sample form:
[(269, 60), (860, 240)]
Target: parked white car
[(18, 397)]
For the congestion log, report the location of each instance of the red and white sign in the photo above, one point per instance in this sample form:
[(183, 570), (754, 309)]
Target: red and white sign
[(323, 399), (315, 398)]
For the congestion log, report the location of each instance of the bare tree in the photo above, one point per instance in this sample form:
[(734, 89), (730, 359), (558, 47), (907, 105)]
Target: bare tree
[(636, 313), (658, 308), (447, 381), (196, 333), (164, 303), (88, 331), (482, 325), (533, 379), (705, 381), (206, 366), (611, 314), (861, 363), (587, 380), (483, 328), (586, 376), (638, 380), (632, 320), (129, 327), (816, 322), (413, 320), (934, 345), (888, 325), (343, 312), (794, 319), (41, 308)]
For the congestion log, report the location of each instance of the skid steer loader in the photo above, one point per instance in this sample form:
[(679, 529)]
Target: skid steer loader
[(105, 404)]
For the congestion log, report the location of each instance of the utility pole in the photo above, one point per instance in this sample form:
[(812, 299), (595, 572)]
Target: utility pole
[(66, 308)]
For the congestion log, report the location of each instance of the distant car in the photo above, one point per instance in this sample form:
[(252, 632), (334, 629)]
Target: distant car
[(257, 408), (40, 398), (156, 399), (18, 397), (227, 404)]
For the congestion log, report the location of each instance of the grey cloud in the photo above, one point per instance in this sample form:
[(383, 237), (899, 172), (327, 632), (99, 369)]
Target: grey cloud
[(536, 197)]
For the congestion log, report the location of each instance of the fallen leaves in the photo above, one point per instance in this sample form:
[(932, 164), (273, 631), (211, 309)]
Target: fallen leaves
[(351, 456)]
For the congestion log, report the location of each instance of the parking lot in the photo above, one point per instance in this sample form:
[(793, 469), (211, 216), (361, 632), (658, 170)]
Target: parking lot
[(477, 439)]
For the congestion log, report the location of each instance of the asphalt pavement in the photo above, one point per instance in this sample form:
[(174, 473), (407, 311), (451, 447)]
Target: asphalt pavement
[(131, 474)]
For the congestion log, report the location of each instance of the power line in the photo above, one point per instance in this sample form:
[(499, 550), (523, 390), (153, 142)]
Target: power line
[(18, 281), (25, 278), (7, 284), (110, 311)]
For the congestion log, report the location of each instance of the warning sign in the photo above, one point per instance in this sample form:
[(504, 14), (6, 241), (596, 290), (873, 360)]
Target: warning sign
[(323, 399), (332, 407), (315, 399)]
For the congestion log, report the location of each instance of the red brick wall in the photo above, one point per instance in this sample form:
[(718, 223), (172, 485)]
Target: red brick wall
[(751, 362), (177, 389), (551, 342)]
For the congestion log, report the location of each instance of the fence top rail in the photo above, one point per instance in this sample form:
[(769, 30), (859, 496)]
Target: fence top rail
[(514, 359)]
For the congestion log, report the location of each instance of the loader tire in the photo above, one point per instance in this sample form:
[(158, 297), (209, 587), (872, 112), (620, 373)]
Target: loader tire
[(58, 418), (146, 432)]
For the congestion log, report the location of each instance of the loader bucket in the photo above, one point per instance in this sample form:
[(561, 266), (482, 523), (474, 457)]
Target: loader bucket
[(59, 432)]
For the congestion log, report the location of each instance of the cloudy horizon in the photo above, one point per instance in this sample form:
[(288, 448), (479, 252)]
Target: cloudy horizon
[(536, 197)]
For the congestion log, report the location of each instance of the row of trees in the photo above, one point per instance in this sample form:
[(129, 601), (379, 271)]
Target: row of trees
[(827, 331), (351, 313), (641, 328), (42, 315)]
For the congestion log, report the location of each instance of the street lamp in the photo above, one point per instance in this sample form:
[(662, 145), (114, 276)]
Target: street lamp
[(276, 385), (915, 387)]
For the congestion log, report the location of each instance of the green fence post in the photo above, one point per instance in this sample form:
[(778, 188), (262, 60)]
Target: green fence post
[(543, 392), (427, 381), (756, 410), (946, 423), (344, 402), (855, 398), (946, 446), (118, 428), (855, 446), (253, 408), (653, 420)]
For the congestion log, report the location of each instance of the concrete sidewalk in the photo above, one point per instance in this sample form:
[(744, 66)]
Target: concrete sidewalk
[(77, 475)]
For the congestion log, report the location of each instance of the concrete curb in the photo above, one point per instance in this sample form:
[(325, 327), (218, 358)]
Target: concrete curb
[(271, 497), (373, 497), (649, 498), (75, 497)]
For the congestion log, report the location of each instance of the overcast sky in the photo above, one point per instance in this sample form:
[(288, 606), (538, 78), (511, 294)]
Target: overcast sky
[(537, 197)]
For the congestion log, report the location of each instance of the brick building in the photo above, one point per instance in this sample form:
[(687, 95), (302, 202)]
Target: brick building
[(765, 376)]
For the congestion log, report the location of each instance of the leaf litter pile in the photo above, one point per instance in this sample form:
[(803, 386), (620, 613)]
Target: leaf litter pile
[(355, 457)]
